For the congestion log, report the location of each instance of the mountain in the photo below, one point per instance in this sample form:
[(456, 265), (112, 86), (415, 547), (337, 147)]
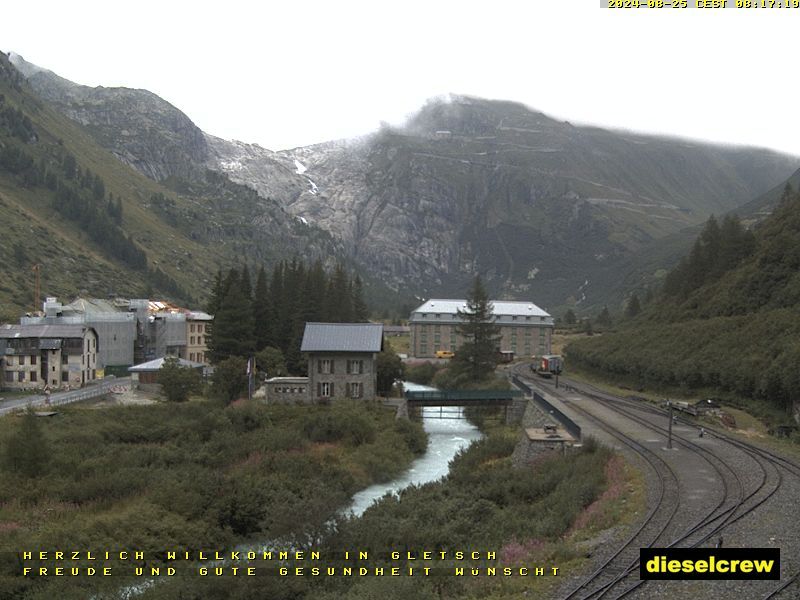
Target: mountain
[(727, 320), (541, 208), (97, 226)]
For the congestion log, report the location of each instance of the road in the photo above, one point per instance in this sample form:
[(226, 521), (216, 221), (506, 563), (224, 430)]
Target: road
[(93, 390)]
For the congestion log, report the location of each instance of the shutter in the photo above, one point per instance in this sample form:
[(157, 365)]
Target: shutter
[(332, 394), (348, 369), (333, 363), (319, 390)]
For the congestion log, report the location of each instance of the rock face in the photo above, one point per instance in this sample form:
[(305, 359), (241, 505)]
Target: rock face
[(141, 129), (537, 206)]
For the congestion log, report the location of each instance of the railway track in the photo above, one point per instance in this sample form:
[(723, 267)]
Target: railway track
[(749, 477)]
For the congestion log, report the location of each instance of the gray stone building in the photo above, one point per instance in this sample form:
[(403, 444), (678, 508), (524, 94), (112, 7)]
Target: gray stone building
[(341, 364), (132, 331), (525, 329), (35, 356), (341, 359)]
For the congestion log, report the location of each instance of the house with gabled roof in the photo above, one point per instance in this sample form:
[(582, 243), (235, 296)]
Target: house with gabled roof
[(341, 359), (341, 364)]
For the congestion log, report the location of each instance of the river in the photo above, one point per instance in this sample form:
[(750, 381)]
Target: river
[(445, 438)]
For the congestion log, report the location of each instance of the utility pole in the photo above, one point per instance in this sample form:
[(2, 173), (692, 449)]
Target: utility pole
[(669, 439)]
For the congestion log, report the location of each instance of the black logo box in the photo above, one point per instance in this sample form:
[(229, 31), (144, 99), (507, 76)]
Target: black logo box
[(712, 558)]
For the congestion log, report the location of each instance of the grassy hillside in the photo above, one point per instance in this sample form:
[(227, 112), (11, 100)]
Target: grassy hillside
[(728, 318), (56, 186)]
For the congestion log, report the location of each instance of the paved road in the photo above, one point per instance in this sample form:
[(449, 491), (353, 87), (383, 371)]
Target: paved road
[(93, 390)]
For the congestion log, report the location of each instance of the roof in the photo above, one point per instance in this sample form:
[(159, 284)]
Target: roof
[(501, 307), (342, 337), (43, 331), (155, 365), (91, 305), (198, 315)]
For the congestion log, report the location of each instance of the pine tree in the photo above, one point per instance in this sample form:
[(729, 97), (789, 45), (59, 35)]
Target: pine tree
[(360, 310), (569, 317), (633, 306), (232, 332), (604, 318), (476, 359), (339, 300), (261, 311)]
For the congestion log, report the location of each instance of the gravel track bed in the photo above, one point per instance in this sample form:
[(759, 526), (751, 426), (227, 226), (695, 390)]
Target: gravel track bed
[(755, 498)]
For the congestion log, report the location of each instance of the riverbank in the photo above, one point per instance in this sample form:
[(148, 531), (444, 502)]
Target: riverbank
[(187, 476)]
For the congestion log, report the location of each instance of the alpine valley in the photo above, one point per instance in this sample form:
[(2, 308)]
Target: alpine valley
[(543, 209)]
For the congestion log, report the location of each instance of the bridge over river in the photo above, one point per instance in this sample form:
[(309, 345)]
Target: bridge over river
[(418, 399)]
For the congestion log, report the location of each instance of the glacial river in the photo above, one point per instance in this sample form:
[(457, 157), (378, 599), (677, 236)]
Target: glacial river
[(445, 438)]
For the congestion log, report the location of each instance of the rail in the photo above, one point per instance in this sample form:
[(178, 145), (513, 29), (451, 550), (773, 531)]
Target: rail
[(568, 424)]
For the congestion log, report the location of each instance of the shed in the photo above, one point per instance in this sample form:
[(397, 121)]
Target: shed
[(147, 373)]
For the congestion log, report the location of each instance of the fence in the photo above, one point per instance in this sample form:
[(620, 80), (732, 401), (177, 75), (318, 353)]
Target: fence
[(568, 424)]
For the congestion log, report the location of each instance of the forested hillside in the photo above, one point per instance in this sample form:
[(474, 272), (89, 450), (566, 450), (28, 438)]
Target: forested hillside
[(727, 318), (96, 226)]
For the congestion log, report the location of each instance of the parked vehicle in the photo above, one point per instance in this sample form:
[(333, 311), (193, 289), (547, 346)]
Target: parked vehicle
[(444, 354)]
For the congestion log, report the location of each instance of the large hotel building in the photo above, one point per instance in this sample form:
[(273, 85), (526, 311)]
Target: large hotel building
[(525, 329)]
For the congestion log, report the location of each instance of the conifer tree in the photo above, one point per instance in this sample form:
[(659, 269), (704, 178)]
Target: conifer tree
[(261, 311), (476, 359), (232, 331), (633, 306), (604, 318), (360, 311)]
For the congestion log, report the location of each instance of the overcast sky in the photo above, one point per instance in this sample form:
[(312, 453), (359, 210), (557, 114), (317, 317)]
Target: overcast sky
[(290, 73)]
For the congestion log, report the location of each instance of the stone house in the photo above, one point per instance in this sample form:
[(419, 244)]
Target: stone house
[(341, 364), (35, 356), (341, 359)]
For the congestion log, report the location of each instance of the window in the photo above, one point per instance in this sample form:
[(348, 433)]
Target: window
[(356, 367), (20, 376), (325, 365), (200, 340), (21, 361), (64, 358), (64, 376), (191, 356), (423, 348), (325, 389), (33, 376), (33, 361), (9, 377), (514, 317), (191, 328), (356, 390), (191, 340)]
